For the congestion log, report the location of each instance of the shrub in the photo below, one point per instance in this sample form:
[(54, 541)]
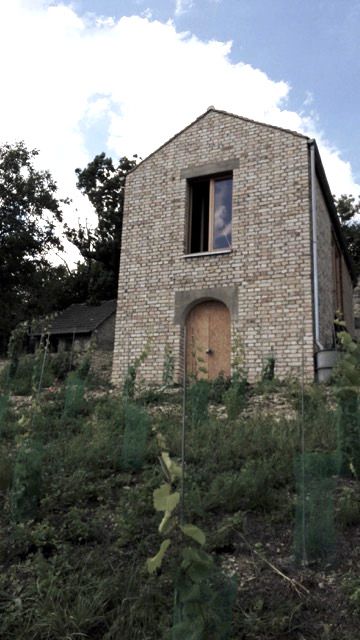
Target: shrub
[(74, 395), (27, 480), (137, 423), (218, 387), (198, 402), (235, 397), (61, 364), (314, 521)]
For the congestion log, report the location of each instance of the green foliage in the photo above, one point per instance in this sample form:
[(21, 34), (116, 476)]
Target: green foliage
[(168, 368), (347, 387), (74, 395), (347, 209), (204, 599), (268, 371), (16, 347), (4, 409), (61, 364), (351, 587), (235, 396), (30, 372), (29, 210), (129, 388), (314, 522), (348, 508), (200, 604), (75, 558), (27, 480), (103, 184), (6, 469), (137, 424), (197, 401), (218, 387)]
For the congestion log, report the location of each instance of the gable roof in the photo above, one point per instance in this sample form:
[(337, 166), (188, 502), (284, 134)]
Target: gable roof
[(320, 172), (79, 318), (224, 113)]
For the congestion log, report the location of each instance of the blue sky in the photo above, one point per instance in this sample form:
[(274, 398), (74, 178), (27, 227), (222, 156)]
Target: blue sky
[(122, 76), (311, 44)]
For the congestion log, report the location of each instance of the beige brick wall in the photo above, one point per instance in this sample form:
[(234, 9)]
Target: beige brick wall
[(327, 304), (270, 261)]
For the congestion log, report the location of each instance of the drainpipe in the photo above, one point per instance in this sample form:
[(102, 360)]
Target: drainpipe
[(314, 245)]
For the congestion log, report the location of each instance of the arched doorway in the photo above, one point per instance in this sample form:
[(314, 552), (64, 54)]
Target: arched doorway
[(208, 340)]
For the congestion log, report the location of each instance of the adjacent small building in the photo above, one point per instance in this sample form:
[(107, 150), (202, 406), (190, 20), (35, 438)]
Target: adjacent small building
[(231, 247), (80, 326)]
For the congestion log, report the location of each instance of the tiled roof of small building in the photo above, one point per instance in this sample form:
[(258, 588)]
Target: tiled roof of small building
[(79, 318)]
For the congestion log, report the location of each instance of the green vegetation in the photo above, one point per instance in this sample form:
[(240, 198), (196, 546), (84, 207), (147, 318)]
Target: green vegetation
[(95, 541)]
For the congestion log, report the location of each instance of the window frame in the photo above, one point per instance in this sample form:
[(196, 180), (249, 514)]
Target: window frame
[(211, 180)]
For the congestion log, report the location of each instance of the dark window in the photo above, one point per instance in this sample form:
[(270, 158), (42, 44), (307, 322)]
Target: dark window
[(210, 214)]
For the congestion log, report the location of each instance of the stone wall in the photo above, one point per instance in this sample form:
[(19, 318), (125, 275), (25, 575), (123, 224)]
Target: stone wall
[(269, 265)]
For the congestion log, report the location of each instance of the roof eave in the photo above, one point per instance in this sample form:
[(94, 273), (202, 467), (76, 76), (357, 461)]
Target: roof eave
[(320, 172)]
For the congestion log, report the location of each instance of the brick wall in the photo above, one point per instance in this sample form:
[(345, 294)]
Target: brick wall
[(270, 262), (327, 304)]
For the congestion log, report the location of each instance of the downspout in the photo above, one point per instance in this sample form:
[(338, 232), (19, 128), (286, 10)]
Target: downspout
[(314, 245)]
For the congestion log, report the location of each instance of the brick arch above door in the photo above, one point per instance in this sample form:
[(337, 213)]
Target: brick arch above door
[(186, 300)]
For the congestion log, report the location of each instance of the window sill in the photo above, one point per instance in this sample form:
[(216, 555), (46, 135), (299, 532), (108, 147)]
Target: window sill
[(219, 252)]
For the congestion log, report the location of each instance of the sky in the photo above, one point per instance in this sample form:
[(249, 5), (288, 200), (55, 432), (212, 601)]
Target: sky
[(122, 76)]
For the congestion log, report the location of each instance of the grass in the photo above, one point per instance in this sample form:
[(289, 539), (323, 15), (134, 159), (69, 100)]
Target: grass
[(77, 523)]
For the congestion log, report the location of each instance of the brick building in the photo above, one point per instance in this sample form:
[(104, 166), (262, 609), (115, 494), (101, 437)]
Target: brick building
[(230, 243)]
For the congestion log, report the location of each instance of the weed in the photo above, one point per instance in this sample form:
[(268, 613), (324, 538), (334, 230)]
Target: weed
[(168, 368), (218, 387), (235, 397)]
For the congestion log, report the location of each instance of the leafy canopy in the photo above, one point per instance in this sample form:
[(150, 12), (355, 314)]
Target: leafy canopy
[(348, 209), (104, 184), (29, 212)]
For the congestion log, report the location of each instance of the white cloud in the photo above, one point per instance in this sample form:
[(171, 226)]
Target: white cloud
[(182, 6), (62, 74)]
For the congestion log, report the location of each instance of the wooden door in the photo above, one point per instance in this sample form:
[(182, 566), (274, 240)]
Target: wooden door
[(208, 345)]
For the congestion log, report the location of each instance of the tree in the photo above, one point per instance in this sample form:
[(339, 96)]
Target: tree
[(347, 209), (103, 183), (29, 212)]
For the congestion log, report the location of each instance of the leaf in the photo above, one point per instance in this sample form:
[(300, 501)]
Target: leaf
[(173, 468), (154, 563), (161, 441), (196, 563), (167, 523), (193, 532), (164, 500)]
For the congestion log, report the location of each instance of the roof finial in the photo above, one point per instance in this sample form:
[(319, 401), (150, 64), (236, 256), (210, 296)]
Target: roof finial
[(211, 108)]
